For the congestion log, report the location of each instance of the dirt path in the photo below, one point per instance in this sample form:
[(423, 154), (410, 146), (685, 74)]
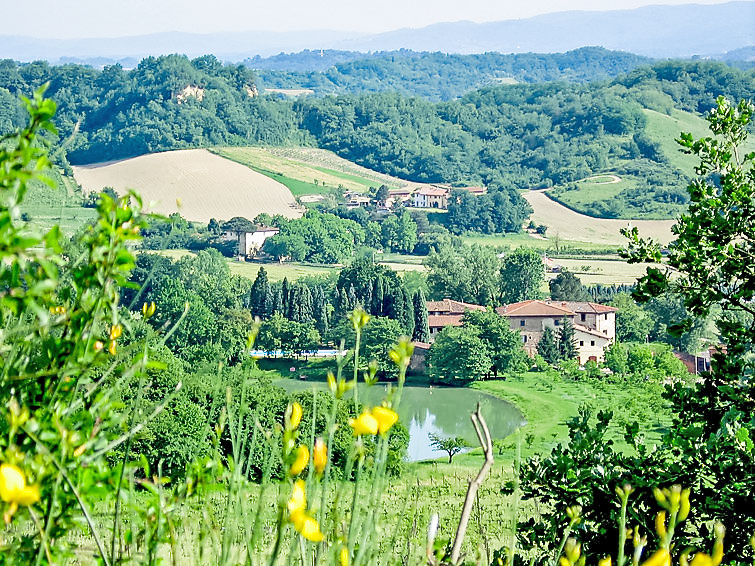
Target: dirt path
[(206, 185), (613, 179), (571, 225)]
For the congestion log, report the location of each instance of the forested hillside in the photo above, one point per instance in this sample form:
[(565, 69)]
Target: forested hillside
[(437, 76), (514, 136)]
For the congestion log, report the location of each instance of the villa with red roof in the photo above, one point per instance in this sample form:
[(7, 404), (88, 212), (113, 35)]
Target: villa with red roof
[(594, 324), (446, 313)]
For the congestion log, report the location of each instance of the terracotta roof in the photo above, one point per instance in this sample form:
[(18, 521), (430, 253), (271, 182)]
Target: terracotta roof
[(421, 345), (585, 306), (534, 308), (261, 228), (443, 320), (452, 307), (590, 331), (476, 190), (431, 192)]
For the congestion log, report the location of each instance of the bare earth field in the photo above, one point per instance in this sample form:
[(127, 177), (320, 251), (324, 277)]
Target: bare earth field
[(571, 225), (206, 185)]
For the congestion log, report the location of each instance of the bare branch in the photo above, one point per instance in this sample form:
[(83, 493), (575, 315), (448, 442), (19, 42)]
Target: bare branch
[(483, 435)]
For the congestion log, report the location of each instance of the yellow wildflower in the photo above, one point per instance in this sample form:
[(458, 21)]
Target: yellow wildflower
[(294, 413), (344, 556), (13, 490), (660, 524), (364, 424), (111, 348), (385, 417), (301, 461), (298, 497), (359, 318), (306, 525), (684, 505), (115, 331), (320, 455), (605, 561), (660, 557)]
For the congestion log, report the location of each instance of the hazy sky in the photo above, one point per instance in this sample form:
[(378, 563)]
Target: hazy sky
[(110, 18)]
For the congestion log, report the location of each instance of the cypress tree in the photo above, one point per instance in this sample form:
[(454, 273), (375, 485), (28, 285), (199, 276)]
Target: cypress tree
[(258, 294), (285, 297), (421, 328), (352, 295), (277, 301), (320, 310), (407, 318), (306, 313), (547, 346), (567, 343), (343, 302), (378, 296), (270, 301)]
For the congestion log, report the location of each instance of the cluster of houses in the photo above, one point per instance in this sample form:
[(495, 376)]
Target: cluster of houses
[(594, 324), (421, 196)]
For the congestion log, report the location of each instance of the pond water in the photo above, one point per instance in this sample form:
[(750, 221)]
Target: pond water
[(440, 410)]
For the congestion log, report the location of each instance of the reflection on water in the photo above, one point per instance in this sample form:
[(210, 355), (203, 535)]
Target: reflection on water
[(443, 411)]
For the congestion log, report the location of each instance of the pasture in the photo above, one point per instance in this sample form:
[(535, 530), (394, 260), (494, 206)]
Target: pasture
[(194, 183), (307, 172), (570, 225)]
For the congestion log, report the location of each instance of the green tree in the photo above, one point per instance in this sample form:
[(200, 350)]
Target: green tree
[(450, 445), (522, 276), (567, 343), (458, 356), (633, 323), (421, 328), (715, 276), (504, 346), (547, 346), (258, 301), (617, 358), (567, 287)]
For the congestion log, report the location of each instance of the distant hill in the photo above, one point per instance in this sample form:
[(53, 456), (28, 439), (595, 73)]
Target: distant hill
[(655, 31)]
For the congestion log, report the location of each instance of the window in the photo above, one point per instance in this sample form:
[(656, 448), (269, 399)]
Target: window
[(557, 322), (524, 339), (581, 342), (592, 342), (521, 323), (582, 317)]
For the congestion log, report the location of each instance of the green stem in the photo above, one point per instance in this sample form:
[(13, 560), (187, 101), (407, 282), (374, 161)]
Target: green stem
[(622, 530)]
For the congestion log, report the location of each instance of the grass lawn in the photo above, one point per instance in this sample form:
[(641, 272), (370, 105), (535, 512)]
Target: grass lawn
[(591, 190), (609, 271), (525, 240), (300, 177)]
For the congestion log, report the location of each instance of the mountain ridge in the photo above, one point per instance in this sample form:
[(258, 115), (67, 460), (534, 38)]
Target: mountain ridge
[(657, 31)]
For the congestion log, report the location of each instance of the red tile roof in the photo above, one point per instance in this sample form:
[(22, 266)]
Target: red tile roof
[(452, 307), (430, 192), (590, 331), (443, 320), (534, 308), (585, 306)]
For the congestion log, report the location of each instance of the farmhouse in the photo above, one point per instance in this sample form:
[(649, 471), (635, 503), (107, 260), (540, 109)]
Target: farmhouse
[(430, 197), (594, 324), (446, 313), (249, 236)]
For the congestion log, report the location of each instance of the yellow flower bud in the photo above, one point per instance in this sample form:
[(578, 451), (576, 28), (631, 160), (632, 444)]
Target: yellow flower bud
[(115, 331), (152, 308), (684, 505), (112, 348), (343, 556), (301, 461), (332, 385), (660, 498), (294, 416), (605, 561), (385, 417), (298, 497), (306, 525), (702, 559), (364, 424), (660, 557), (563, 562), (320, 455), (660, 524)]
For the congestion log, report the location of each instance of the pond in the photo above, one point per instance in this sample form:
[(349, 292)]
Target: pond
[(440, 410)]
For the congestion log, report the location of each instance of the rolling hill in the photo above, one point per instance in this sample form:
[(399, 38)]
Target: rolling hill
[(195, 183)]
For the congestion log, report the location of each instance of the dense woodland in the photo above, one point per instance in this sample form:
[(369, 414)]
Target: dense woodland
[(508, 136), (436, 76)]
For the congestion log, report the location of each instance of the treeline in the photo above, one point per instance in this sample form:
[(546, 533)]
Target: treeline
[(515, 136), (435, 76)]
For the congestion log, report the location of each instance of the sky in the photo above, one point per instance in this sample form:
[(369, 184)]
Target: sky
[(113, 18)]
